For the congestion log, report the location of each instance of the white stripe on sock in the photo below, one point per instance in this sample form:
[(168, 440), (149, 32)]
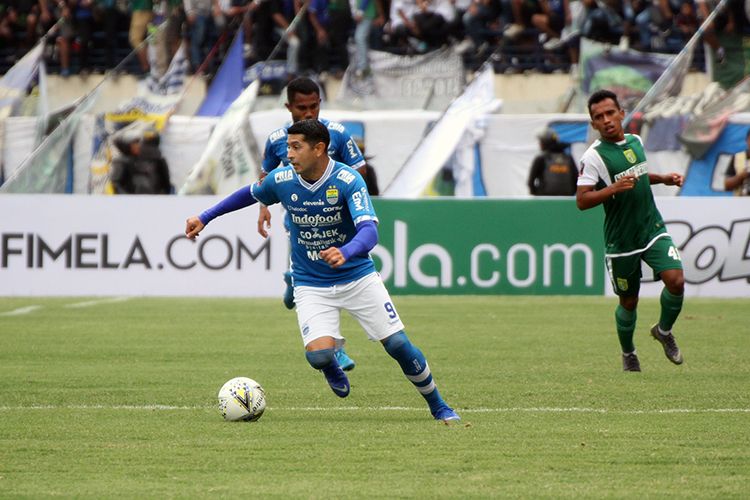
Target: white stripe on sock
[(422, 376)]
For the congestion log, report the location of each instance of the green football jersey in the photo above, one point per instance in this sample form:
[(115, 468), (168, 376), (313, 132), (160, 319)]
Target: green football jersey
[(631, 220)]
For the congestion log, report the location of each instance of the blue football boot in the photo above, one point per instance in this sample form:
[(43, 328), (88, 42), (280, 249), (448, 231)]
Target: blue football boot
[(345, 362), (337, 379), (445, 413)]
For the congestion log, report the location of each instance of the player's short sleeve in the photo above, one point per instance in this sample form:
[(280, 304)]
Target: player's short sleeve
[(591, 169), (357, 198), (264, 190), (271, 158), (347, 151)]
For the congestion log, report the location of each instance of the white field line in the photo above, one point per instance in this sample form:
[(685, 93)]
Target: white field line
[(20, 311), (90, 303), (156, 407)]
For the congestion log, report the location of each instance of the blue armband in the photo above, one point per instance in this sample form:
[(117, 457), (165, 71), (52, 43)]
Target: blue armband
[(241, 198), (364, 241)]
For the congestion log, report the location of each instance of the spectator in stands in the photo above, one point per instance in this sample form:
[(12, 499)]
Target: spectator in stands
[(553, 172), (317, 46), (737, 177), (140, 16), (260, 32), (198, 18), (27, 16), (483, 21), (365, 13), (6, 27), (339, 28), (603, 21), (723, 23), (554, 15), (426, 26), (283, 13), (64, 37), (141, 168), (395, 32), (111, 17), (75, 33)]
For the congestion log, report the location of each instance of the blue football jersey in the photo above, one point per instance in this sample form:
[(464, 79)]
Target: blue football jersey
[(320, 215), (341, 147)]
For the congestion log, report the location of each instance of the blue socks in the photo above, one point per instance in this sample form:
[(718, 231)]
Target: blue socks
[(414, 366)]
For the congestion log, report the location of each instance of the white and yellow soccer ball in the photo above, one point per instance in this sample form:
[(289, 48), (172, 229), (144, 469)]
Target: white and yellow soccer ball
[(242, 399)]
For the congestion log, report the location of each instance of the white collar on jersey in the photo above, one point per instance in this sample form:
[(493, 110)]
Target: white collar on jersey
[(322, 180)]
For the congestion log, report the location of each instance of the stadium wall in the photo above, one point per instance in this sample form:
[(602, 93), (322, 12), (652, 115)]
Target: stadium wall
[(505, 152), (57, 245)]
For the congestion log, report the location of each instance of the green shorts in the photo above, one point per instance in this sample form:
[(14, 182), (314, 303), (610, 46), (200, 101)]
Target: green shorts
[(625, 272)]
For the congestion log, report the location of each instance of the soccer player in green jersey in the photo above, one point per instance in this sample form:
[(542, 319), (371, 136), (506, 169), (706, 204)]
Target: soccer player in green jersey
[(614, 173)]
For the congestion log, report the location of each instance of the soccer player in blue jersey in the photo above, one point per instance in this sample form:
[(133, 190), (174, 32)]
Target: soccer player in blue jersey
[(332, 227), (303, 102)]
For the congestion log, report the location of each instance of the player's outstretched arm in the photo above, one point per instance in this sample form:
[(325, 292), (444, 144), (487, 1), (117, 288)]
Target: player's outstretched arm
[(241, 198), (671, 179)]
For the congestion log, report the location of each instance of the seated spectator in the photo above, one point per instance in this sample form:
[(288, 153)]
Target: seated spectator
[(317, 46), (283, 13), (140, 16), (603, 21), (75, 34), (426, 26), (553, 172), (554, 15), (111, 16), (482, 21), (141, 168), (365, 14), (198, 19)]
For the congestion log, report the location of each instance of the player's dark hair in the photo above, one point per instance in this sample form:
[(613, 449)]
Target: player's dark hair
[(313, 130), (748, 134), (301, 85), (601, 95)]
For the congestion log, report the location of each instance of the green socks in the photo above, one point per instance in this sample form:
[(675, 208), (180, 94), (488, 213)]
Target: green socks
[(625, 321), (671, 305)]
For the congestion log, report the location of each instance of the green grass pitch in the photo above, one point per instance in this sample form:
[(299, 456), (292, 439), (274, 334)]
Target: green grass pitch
[(118, 399)]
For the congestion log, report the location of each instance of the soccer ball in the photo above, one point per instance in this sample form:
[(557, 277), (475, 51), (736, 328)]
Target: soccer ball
[(243, 399)]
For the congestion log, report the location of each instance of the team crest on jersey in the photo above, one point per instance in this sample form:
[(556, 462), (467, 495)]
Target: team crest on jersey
[(332, 195), (630, 155), (622, 284)]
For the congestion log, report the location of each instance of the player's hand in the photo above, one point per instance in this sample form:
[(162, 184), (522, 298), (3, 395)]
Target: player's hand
[(673, 179), (264, 221), (333, 257), (193, 226), (625, 183)]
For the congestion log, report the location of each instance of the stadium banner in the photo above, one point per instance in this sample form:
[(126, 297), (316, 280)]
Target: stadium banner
[(68, 246), (713, 237), (71, 246), (405, 81), (490, 247)]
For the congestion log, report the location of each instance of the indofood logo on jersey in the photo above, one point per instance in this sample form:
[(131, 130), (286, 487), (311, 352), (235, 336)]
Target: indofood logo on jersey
[(629, 155), (332, 195), (316, 220)]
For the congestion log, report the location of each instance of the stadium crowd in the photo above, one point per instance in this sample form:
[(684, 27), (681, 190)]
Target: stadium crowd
[(95, 35)]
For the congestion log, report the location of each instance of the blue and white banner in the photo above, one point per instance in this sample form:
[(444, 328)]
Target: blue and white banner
[(441, 141), (16, 81), (231, 157), (47, 169), (228, 84)]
